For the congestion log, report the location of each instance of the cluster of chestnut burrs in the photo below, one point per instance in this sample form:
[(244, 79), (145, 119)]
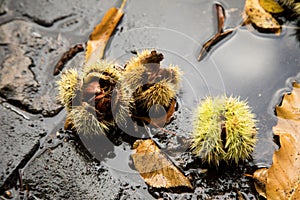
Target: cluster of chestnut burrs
[(105, 95)]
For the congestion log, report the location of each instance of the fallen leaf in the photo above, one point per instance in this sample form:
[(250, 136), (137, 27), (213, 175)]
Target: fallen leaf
[(283, 177), (155, 167), (290, 108), (263, 20), (284, 174), (260, 181), (271, 6), (102, 32), (97, 40)]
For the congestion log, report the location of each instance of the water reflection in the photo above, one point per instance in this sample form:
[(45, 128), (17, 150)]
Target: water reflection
[(249, 64)]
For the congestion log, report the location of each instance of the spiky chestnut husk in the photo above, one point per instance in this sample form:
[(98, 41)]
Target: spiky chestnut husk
[(88, 97), (160, 93), (145, 84), (107, 69), (142, 58), (70, 82), (84, 119), (289, 3), (293, 5), (224, 129)]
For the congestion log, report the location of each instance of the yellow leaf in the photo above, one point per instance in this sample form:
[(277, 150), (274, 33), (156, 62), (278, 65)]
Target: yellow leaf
[(261, 18), (155, 168), (283, 177), (290, 108), (284, 174), (101, 34), (271, 6)]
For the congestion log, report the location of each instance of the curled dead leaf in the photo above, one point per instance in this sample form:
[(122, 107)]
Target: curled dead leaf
[(260, 180), (283, 177), (102, 32), (155, 167), (97, 41), (263, 20), (290, 108), (284, 174)]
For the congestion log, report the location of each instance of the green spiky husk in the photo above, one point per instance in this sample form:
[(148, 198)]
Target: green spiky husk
[(207, 142), (134, 78), (126, 85), (214, 115), (175, 77), (101, 69), (84, 120), (240, 130), (287, 2), (138, 61), (70, 82), (292, 5), (135, 89), (86, 116), (160, 93)]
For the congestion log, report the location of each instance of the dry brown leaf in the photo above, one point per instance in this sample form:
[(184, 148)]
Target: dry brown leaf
[(261, 18), (155, 168), (284, 174), (271, 6), (97, 41), (260, 180), (290, 108), (102, 32), (283, 177)]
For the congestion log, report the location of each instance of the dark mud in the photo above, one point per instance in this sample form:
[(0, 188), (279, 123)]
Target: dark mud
[(54, 164)]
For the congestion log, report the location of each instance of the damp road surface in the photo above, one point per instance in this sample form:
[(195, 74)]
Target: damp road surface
[(40, 160)]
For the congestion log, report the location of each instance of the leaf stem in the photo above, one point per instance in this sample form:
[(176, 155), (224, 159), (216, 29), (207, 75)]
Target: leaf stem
[(221, 34)]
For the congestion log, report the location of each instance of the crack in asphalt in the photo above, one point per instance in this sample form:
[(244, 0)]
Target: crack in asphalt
[(44, 23), (12, 179)]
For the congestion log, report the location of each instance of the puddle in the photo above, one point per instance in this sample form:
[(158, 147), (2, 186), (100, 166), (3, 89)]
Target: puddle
[(257, 67), (249, 65)]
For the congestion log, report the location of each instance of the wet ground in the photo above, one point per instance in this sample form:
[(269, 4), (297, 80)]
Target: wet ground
[(41, 160)]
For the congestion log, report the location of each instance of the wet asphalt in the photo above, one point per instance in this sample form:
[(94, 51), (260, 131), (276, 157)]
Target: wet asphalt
[(40, 160)]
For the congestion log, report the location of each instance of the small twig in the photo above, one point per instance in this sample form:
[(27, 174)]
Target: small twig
[(66, 57), (213, 41), (221, 17), (221, 34), (122, 5)]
